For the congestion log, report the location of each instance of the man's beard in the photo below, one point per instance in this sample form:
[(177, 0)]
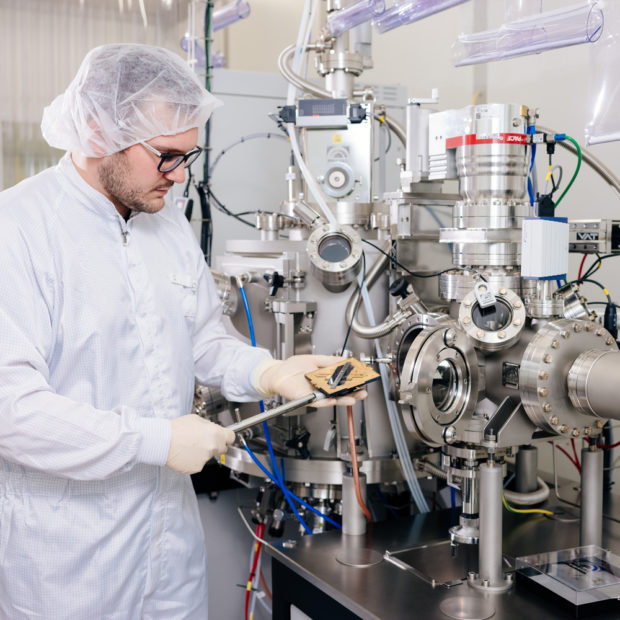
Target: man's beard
[(115, 181)]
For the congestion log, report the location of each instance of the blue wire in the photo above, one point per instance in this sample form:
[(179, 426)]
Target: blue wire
[(297, 499), (278, 478), (559, 283), (452, 498), (384, 502), (510, 479), (530, 190)]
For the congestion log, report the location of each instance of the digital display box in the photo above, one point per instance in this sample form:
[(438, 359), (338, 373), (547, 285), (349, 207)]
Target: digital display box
[(583, 580)]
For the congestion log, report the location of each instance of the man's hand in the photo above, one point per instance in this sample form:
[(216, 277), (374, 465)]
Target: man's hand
[(194, 441), (287, 378)]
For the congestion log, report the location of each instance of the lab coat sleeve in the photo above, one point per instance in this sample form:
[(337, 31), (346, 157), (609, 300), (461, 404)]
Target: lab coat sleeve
[(40, 428), (221, 360)]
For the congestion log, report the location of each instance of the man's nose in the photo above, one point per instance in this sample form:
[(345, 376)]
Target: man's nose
[(177, 175)]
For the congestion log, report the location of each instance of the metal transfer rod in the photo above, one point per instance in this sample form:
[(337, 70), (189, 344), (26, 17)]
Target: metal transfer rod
[(591, 526), (276, 411)]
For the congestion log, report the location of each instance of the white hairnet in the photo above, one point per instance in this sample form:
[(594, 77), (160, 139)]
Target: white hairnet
[(122, 94)]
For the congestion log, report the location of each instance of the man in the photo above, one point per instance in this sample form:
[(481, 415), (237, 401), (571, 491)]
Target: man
[(108, 314)]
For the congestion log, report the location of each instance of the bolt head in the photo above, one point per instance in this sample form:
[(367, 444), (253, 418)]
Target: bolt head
[(555, 344), (600, 424), (554, 420), (543, 392), (450, 337), (587, 431), (466, 320), (501, 335), (449, 434), (547, 407), (564, 429), (518, 305), (480, 333), (609, 341), (589, 327), (502, 291), (543, 375), (577, 328), (516, 323), (547, 359), (565, 334), (575, 432)]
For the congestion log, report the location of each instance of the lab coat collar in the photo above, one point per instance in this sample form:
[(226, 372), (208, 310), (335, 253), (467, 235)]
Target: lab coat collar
[(87, 195), (92, 199)]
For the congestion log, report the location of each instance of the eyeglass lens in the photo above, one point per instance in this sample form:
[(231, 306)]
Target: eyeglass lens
[(168, 164)]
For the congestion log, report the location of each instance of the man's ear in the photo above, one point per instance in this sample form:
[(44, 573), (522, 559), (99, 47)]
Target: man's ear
[(95, 138)]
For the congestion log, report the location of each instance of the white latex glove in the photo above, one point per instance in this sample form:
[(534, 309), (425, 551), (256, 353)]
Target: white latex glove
[(286, 377), (194, 441)]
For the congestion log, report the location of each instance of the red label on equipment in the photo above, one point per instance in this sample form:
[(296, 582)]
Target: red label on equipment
[(501, 138)]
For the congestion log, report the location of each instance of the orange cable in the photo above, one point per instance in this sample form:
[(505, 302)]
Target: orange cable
[(356, 477)]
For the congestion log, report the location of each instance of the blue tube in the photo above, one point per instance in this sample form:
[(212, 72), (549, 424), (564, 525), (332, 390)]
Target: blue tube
[(276, 473), (531, 130), (384, 502), (452, 498), (297, 499)]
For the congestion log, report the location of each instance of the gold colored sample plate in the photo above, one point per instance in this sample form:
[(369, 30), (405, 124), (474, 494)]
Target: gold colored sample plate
[(359, 375)]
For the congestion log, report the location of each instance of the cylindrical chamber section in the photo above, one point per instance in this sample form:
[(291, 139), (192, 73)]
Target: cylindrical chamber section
[(490, 545), (592, 381), (353, 519), (591, 527), (469, 490), (526, 468)]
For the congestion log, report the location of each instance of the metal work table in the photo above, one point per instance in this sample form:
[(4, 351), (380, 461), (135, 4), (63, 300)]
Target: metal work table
[(310, 577)]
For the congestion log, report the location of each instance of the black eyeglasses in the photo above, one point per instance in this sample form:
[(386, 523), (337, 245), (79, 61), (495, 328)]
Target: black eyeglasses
[(169, 161)]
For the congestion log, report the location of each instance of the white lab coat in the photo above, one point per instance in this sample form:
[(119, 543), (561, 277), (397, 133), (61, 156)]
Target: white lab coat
[(103, 326)]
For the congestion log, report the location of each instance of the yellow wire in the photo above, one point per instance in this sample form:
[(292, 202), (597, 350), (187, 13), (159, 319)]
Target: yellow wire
[(549, 173), (528, 511)]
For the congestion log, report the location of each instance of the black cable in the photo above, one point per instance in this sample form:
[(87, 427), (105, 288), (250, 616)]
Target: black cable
[(595, 282), (206, 229), (596, 265), (593, 268), (411, 273), (357, 305), (602, 303), (389, 134), (227, 211)]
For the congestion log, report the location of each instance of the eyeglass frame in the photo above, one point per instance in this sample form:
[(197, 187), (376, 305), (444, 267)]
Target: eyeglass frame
[(185, 158)]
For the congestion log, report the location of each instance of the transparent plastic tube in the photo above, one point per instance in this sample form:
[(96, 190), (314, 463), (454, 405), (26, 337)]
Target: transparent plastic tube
[(572, 25), (354, 15), (604, 86), (217, 58), (229, 14), (411, 11)]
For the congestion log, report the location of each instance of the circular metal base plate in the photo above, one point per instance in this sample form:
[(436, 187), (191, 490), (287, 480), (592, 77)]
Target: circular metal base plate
[(479, 584), (467, 608), (359, 556)]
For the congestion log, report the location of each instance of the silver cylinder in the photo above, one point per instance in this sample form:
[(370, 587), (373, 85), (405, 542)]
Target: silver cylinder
[(353, 519), (591, 527), (490, 546), (592, 380), (469, 492), (526, 469)]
